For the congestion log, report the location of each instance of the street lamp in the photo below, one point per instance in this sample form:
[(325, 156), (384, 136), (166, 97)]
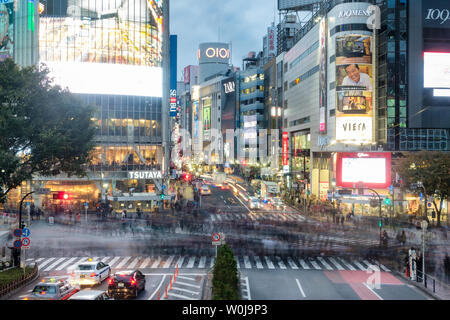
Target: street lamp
[(424, 226)]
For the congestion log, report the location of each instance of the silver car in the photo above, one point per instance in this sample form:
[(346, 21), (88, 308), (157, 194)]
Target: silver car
[(90, 295)]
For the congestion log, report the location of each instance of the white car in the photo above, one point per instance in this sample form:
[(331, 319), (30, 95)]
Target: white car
[(90, 295), (204, 190), (254, 203), (91, 272)]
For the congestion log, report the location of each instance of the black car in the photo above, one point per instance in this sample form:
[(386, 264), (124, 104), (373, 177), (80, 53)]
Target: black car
[(126, 284)]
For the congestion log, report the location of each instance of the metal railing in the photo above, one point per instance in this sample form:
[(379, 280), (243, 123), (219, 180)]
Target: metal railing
[(19, 282)]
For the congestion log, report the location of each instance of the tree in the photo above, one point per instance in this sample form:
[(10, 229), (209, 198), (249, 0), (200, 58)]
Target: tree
[(225, 275), (44, 130), (432, 169)]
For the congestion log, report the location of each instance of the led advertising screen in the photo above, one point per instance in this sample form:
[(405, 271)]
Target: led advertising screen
[(437, 70), (354, 85), (109, 47), (6, 29), (373, 169)]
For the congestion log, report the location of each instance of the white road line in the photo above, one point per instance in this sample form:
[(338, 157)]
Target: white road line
[(368, 263), (269, 263), (322, 260), (202, 262), (348, 265), (145, 263), (249, 297), (333, 261), (212, 262), (105, 259), (188, 284), (122, 263), (300, 287), (44, 263), (66, 263), (157, 289), (156, 263), (292, 263), (180, 262), (258, 263), (384, 268), (247, 263), (73, 266), (134, 263), (304, 265), (360, 267), (180, 296), (281, 263), (237, 262), (315, 265), (191, 262), (368, 287), (113, 261), (54, 264), (168, 262), (187, 278), (185, 290)]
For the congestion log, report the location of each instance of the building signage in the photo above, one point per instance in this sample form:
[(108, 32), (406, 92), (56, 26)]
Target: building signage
[(323, 76), (285, 148), (229, 87), (173, 102), (187, 75), (436, 13), (221, 53), (144, 175), (354, 13)]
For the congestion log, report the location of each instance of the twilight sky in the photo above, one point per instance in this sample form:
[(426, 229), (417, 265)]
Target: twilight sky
[(242, 22)]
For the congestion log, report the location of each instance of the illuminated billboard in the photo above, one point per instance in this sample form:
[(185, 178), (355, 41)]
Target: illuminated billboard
[(437, 70), (372, 168), (116, 45), (354, 85), (6, 29)]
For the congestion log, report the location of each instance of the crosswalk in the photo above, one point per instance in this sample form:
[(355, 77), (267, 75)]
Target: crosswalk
[(257, 216), (51, 264)]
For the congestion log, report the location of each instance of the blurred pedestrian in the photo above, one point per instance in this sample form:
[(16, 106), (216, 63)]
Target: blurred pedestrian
[(447, 267), (403, 238)]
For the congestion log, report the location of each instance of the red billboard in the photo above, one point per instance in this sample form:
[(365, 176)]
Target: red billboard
[(371, 168), (285, 148), (187, 75)]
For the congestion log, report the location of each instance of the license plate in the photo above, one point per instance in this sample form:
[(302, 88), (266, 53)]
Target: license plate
[(82, 276), (120, 285)]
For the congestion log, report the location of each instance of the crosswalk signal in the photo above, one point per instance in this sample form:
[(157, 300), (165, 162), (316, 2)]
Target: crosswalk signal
[(162, 196), (387, 201), (62, 195), (379, 223)]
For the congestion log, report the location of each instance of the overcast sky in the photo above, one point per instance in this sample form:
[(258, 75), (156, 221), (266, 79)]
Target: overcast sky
[(241, 22)]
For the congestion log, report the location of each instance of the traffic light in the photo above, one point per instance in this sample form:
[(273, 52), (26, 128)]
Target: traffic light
[(62, 195), (162, 196), (186, 177), (379, 223), (387, 201)]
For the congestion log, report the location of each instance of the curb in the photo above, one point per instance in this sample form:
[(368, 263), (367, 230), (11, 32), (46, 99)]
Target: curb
[(415, 284)]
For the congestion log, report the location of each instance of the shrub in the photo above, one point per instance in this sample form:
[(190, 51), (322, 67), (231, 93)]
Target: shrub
[(225, 276)]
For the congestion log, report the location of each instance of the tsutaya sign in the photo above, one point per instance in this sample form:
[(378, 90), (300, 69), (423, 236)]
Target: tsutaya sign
[(144, 175)]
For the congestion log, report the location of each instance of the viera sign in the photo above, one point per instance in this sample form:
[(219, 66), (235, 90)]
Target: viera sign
[(144, 175)]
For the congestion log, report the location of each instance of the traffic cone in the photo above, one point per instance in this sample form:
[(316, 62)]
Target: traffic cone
[(170, 284), (177, 269), (174, 278), (165, 295), (159, 297)]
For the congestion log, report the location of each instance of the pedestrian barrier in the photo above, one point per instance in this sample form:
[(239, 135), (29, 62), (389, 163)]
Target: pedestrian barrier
[(22, 280)]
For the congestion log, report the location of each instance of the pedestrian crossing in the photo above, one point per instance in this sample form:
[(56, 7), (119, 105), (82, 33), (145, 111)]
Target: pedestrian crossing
[(257, 216), (51, 264)]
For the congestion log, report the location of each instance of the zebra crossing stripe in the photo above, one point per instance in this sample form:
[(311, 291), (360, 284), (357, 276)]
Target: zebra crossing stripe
[(44, 263), (315, 265), (156, 263), (113, 261), (66, 263), (237, 262), (122, 263), (292, 263), (54, 264), (384, 268), (180, 296), (258, 263), (168, 262), (212, 262), (145, 263), (356, 263), (322, 260), (269, 263), (247, 263), (281, 263), (191, 262), (333, 261), (134, 262), (202, 262), (106, 259), (368, 263), (180, 261), (304, 265), (186, 290), (348, 265), (73, 266)]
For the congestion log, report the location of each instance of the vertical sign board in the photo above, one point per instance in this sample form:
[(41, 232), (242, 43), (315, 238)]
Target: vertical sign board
[(285, 148), (173, 76), (323, 76), (6, 29)]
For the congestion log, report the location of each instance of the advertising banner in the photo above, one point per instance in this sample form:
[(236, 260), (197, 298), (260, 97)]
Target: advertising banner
[(354, 87), (6, 29), (436, 13), (323, 77)]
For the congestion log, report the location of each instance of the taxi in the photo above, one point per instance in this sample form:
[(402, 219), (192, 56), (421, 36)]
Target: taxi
[(91, 273), (52, 288)]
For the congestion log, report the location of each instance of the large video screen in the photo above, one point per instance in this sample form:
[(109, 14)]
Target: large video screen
[(114, 44), (436, 70), (6, 29)]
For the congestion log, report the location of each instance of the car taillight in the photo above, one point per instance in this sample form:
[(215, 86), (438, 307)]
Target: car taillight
[(133, 282), (93, 274), (110, 281)]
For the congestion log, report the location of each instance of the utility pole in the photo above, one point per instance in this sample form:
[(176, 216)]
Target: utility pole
[(424, 230)]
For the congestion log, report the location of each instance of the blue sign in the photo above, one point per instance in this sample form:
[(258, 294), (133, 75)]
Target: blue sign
[(421, 196), (391, 188), (17, 244), (17, 232), (86, 204), (26, 232)]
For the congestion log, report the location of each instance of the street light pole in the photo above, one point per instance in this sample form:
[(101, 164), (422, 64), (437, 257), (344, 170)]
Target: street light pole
[(20, 221), (424, 229)]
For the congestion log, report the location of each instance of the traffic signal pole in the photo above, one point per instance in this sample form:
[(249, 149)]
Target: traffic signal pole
[(17, 252)]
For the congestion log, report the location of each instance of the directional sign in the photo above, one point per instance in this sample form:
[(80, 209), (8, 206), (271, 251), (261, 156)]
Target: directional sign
[(17, 232), (17, 244), (26, 242), (86, 204), (26, 232)]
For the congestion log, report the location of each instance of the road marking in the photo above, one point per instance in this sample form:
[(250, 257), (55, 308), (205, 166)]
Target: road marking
[(187, 278), (356, 263), (368, 287), (113, 261), (367, 263), (168, 262), (202, 262), (157, 289), (65, 263), (333, 261), (258, 263), (145, 263), (315, 265), (180, 296), (300, 287), (269, 263), (249, 297), (54, 264), (188, 284), (105, 259), (134, 263), (156, 263), (348, 265), (281, 263), (322, 260), (304, 265), (44, 263), (211, 265), (180, 261), (186, 290), (191, 262), (122, 263), (247, 263), (384, 268), (292, 263)]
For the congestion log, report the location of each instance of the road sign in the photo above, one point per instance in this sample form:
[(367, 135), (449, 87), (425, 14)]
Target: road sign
[(86, 204), (17, 232), (391, 189), (26, 232), (429, 204), (26, 243), (216, 236), (51, 220), (421, 196), (42, 191), (17, 244)]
